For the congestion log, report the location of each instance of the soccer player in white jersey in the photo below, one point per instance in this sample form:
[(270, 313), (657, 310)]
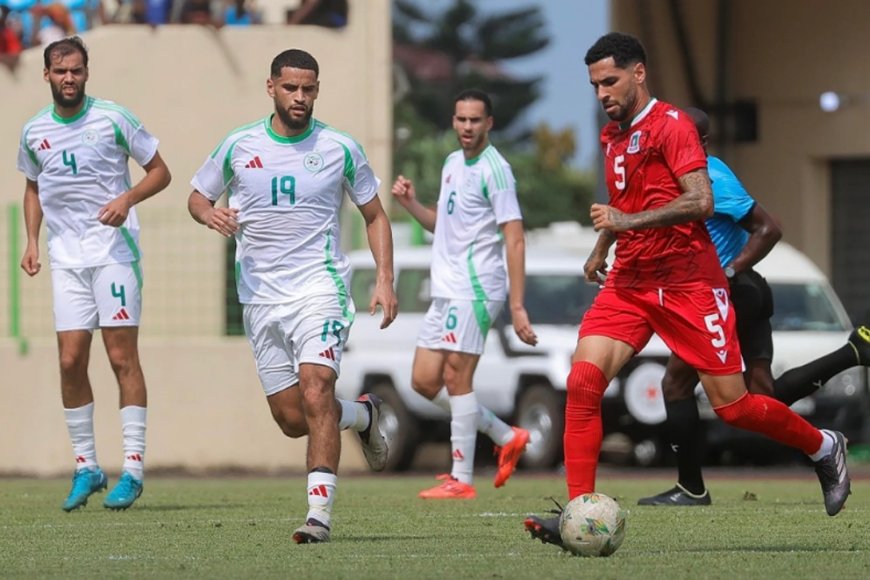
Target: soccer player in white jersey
[(476, 219), (285, 177), (74, 154)]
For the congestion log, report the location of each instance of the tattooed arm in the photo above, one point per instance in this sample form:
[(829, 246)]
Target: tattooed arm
[(695, 203)]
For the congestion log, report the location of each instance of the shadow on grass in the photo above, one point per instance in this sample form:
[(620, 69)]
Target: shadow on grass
[(190, 507)]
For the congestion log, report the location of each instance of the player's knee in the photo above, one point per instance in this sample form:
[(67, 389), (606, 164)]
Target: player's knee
[(740, 413), (72, 363), (586, 385), (426, 387)]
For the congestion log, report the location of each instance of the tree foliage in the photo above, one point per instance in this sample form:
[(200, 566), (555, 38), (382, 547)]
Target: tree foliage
[(472, 43)]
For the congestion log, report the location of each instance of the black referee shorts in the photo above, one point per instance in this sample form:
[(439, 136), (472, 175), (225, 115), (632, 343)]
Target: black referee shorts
[(753, 303)]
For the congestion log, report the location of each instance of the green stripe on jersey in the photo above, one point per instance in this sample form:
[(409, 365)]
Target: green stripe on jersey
[(131, 243), (119, 137), (496, 168), (322, 125), (123, 111), (349, 167), (233, 132), (481, 314), (336, 279)]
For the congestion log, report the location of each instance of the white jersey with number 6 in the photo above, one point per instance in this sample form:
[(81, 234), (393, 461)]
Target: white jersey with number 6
[(80, 164), (477, 195), (288, 191)]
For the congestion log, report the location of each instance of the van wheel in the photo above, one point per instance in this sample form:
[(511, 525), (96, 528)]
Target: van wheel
[(399, 427), (541, 412)]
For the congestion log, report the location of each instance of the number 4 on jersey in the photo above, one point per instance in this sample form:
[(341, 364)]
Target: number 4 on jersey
[(69, 159)]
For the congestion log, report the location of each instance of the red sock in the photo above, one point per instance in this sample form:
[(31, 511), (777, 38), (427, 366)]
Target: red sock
[(586, 385), (770, 417)]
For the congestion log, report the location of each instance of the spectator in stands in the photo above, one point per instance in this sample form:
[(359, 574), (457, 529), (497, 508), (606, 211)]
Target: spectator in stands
[(197, 12), (328, 13), (56, 23), (10, 45), (241, 13)]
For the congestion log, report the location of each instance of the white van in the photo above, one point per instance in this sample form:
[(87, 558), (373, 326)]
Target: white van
[(526, 385)]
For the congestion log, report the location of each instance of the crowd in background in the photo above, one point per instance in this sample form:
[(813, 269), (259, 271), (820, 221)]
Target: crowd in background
[(31, 23)]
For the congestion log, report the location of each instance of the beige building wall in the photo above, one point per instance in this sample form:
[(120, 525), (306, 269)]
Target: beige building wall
[(190, 86), (783, 56)]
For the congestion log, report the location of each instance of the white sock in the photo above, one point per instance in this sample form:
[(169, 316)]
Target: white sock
[(321, 494), (80, 424), (826, 448), (133, 429), (494, 428), (354, 415), (463, 435), (487, 423)]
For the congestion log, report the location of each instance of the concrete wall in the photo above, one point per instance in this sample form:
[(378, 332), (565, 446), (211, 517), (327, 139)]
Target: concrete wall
[(783, 56), (190, 86)]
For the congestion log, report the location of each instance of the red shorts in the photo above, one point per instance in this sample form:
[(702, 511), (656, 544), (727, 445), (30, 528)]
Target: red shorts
[(697, 325)]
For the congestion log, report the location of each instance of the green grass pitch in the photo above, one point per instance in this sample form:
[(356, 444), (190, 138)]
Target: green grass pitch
[(241, 527)]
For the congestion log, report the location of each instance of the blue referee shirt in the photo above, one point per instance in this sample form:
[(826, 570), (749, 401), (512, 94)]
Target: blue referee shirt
[(731, 203)]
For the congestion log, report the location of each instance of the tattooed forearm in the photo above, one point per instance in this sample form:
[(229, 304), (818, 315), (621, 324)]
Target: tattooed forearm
[(695, 203)]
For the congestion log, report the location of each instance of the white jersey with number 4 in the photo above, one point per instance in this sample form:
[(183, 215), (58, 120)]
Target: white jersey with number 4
[(477, 196), (80, 164), (288, 191)]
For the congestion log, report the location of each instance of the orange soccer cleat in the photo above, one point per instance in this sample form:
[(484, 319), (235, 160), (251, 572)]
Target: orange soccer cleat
[(509, 454), (449, 488)]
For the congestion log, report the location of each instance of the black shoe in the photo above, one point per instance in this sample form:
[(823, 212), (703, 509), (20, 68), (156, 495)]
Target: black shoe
[(860, 341), (546, 529), (834, 475), (677, 496)]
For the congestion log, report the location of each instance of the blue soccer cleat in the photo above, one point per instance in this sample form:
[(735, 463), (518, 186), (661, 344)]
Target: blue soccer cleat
[(85, 482), (122, 496)]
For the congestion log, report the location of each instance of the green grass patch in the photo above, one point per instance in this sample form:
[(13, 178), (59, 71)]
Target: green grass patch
[(241, 528)]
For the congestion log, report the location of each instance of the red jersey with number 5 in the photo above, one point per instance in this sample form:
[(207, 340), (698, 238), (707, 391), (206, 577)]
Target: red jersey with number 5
[(642, 165)]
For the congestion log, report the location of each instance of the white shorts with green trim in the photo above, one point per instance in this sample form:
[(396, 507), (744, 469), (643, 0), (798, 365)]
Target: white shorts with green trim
[(283, 336), (97, 297), (458, 325)]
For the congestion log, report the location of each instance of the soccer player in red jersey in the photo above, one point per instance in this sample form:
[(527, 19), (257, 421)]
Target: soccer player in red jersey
[(666, 279)]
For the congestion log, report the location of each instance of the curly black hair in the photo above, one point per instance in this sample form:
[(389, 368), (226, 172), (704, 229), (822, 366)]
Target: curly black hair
[(624, 48)]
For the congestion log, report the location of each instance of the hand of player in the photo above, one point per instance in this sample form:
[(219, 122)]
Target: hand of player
[(223, 220), (595, 269), (605, 217), (523, 327), (385, 297), (403, 190), (115, 212), (30, 261)]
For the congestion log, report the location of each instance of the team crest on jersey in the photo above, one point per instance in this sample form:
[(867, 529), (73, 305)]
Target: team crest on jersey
[(90, 137), (634, 142), (313, 162)]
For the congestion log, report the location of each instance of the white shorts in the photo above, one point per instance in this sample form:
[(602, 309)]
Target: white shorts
[(458, 325), (283, 336), (97, 297)]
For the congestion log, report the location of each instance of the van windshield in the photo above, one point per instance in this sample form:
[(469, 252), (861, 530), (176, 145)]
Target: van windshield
[(804, 306), (558, 298)]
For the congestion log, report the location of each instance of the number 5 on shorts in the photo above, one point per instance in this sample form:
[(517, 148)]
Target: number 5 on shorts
[(712, 322)]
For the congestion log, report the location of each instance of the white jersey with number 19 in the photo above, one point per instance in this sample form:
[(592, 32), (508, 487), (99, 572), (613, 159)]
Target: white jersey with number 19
[(80, 164), (477, 196), (288, 191)]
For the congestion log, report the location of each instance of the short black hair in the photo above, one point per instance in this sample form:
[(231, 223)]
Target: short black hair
[(64, 47), (294, 58), (624, 48), (475, 95)]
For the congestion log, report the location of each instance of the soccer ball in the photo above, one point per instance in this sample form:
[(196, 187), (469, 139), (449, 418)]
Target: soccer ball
[(592, 524)]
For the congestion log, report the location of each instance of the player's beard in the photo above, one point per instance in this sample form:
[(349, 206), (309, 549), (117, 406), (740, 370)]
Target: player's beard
[(68, 102), (290, 122)]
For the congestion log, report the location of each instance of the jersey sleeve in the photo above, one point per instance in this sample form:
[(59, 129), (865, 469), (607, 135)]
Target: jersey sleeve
[(360, 182), (730, 198), (501, 188), (130, 134), (681, 146), (28, 164), (216, 173)]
